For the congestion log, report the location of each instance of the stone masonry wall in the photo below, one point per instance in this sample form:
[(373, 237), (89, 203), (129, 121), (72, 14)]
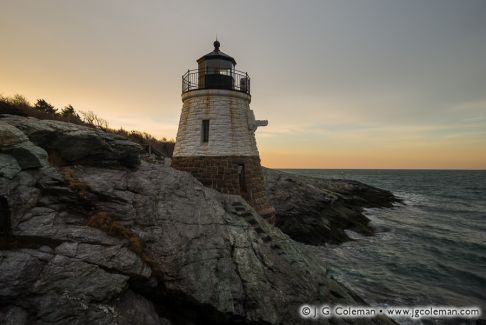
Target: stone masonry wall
[(231, 130), (221, 173)]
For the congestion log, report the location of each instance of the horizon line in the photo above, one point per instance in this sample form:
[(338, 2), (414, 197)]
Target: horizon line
[(417, 169)]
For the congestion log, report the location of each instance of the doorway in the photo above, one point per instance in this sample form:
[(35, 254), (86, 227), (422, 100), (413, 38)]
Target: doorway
[(242, 177)]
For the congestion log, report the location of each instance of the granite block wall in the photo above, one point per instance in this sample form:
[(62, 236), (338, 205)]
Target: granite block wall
[(222, 174)]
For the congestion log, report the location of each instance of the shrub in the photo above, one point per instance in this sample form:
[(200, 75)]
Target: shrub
[(19, 105), (19, 100), (94, 120)]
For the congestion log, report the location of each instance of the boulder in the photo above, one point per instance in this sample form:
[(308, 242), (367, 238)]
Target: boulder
[(28, 155), (10, 135), (23, 153), (9, 166)]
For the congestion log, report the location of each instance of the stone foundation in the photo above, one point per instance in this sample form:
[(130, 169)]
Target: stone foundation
[(222, 174)]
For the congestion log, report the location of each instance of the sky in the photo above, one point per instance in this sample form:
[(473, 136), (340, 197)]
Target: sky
[(343, 83)]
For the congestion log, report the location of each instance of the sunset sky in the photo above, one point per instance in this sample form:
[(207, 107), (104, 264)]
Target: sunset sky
[(344, 84)]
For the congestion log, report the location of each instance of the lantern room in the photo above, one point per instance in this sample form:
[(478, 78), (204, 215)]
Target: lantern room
[(216, 70)]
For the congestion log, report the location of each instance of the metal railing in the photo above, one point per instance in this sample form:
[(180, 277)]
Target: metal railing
[(216, 79)]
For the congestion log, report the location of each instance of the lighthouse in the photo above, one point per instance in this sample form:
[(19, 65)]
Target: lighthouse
[(216, 136)]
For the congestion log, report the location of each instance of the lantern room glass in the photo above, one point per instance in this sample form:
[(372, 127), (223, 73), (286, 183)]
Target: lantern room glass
[(216, 73)]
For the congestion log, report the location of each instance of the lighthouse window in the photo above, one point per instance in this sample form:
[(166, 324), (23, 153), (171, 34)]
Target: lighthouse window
[(205, 131)]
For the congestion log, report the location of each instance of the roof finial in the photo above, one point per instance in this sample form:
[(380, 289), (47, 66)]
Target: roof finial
[(216, 44)]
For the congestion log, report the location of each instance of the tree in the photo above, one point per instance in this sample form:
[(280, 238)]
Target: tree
[(44, 106), (69, 112)]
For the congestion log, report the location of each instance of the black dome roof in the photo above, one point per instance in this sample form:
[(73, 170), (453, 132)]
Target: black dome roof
[(216, 54)]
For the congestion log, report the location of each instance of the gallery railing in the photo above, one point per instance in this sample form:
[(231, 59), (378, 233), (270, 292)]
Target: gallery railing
[(216, 79)]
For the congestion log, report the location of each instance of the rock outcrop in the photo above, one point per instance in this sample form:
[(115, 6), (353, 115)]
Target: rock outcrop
[(98, 237), (317, 211), (66, 143)]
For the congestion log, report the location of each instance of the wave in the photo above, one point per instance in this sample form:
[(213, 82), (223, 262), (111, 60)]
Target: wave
[(468, 276), (429, 249)]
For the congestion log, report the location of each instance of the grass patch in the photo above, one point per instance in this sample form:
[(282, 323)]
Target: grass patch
[(104, 221), (77, 185)]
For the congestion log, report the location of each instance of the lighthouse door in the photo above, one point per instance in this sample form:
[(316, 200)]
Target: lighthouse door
[(241, 177)]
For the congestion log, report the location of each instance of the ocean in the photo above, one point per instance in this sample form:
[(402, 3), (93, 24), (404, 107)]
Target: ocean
[(430, 250)]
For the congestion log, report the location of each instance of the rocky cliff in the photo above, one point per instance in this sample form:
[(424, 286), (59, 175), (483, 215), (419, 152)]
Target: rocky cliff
[(92, 235)]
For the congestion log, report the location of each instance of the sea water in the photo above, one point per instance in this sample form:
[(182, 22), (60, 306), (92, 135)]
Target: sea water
[(430, 250)]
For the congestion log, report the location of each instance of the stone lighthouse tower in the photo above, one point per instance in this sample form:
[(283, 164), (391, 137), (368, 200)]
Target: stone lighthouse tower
[(216, 136)]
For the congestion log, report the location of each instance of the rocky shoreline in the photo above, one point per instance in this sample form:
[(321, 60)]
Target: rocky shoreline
[(97, 236), (316, 211)]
